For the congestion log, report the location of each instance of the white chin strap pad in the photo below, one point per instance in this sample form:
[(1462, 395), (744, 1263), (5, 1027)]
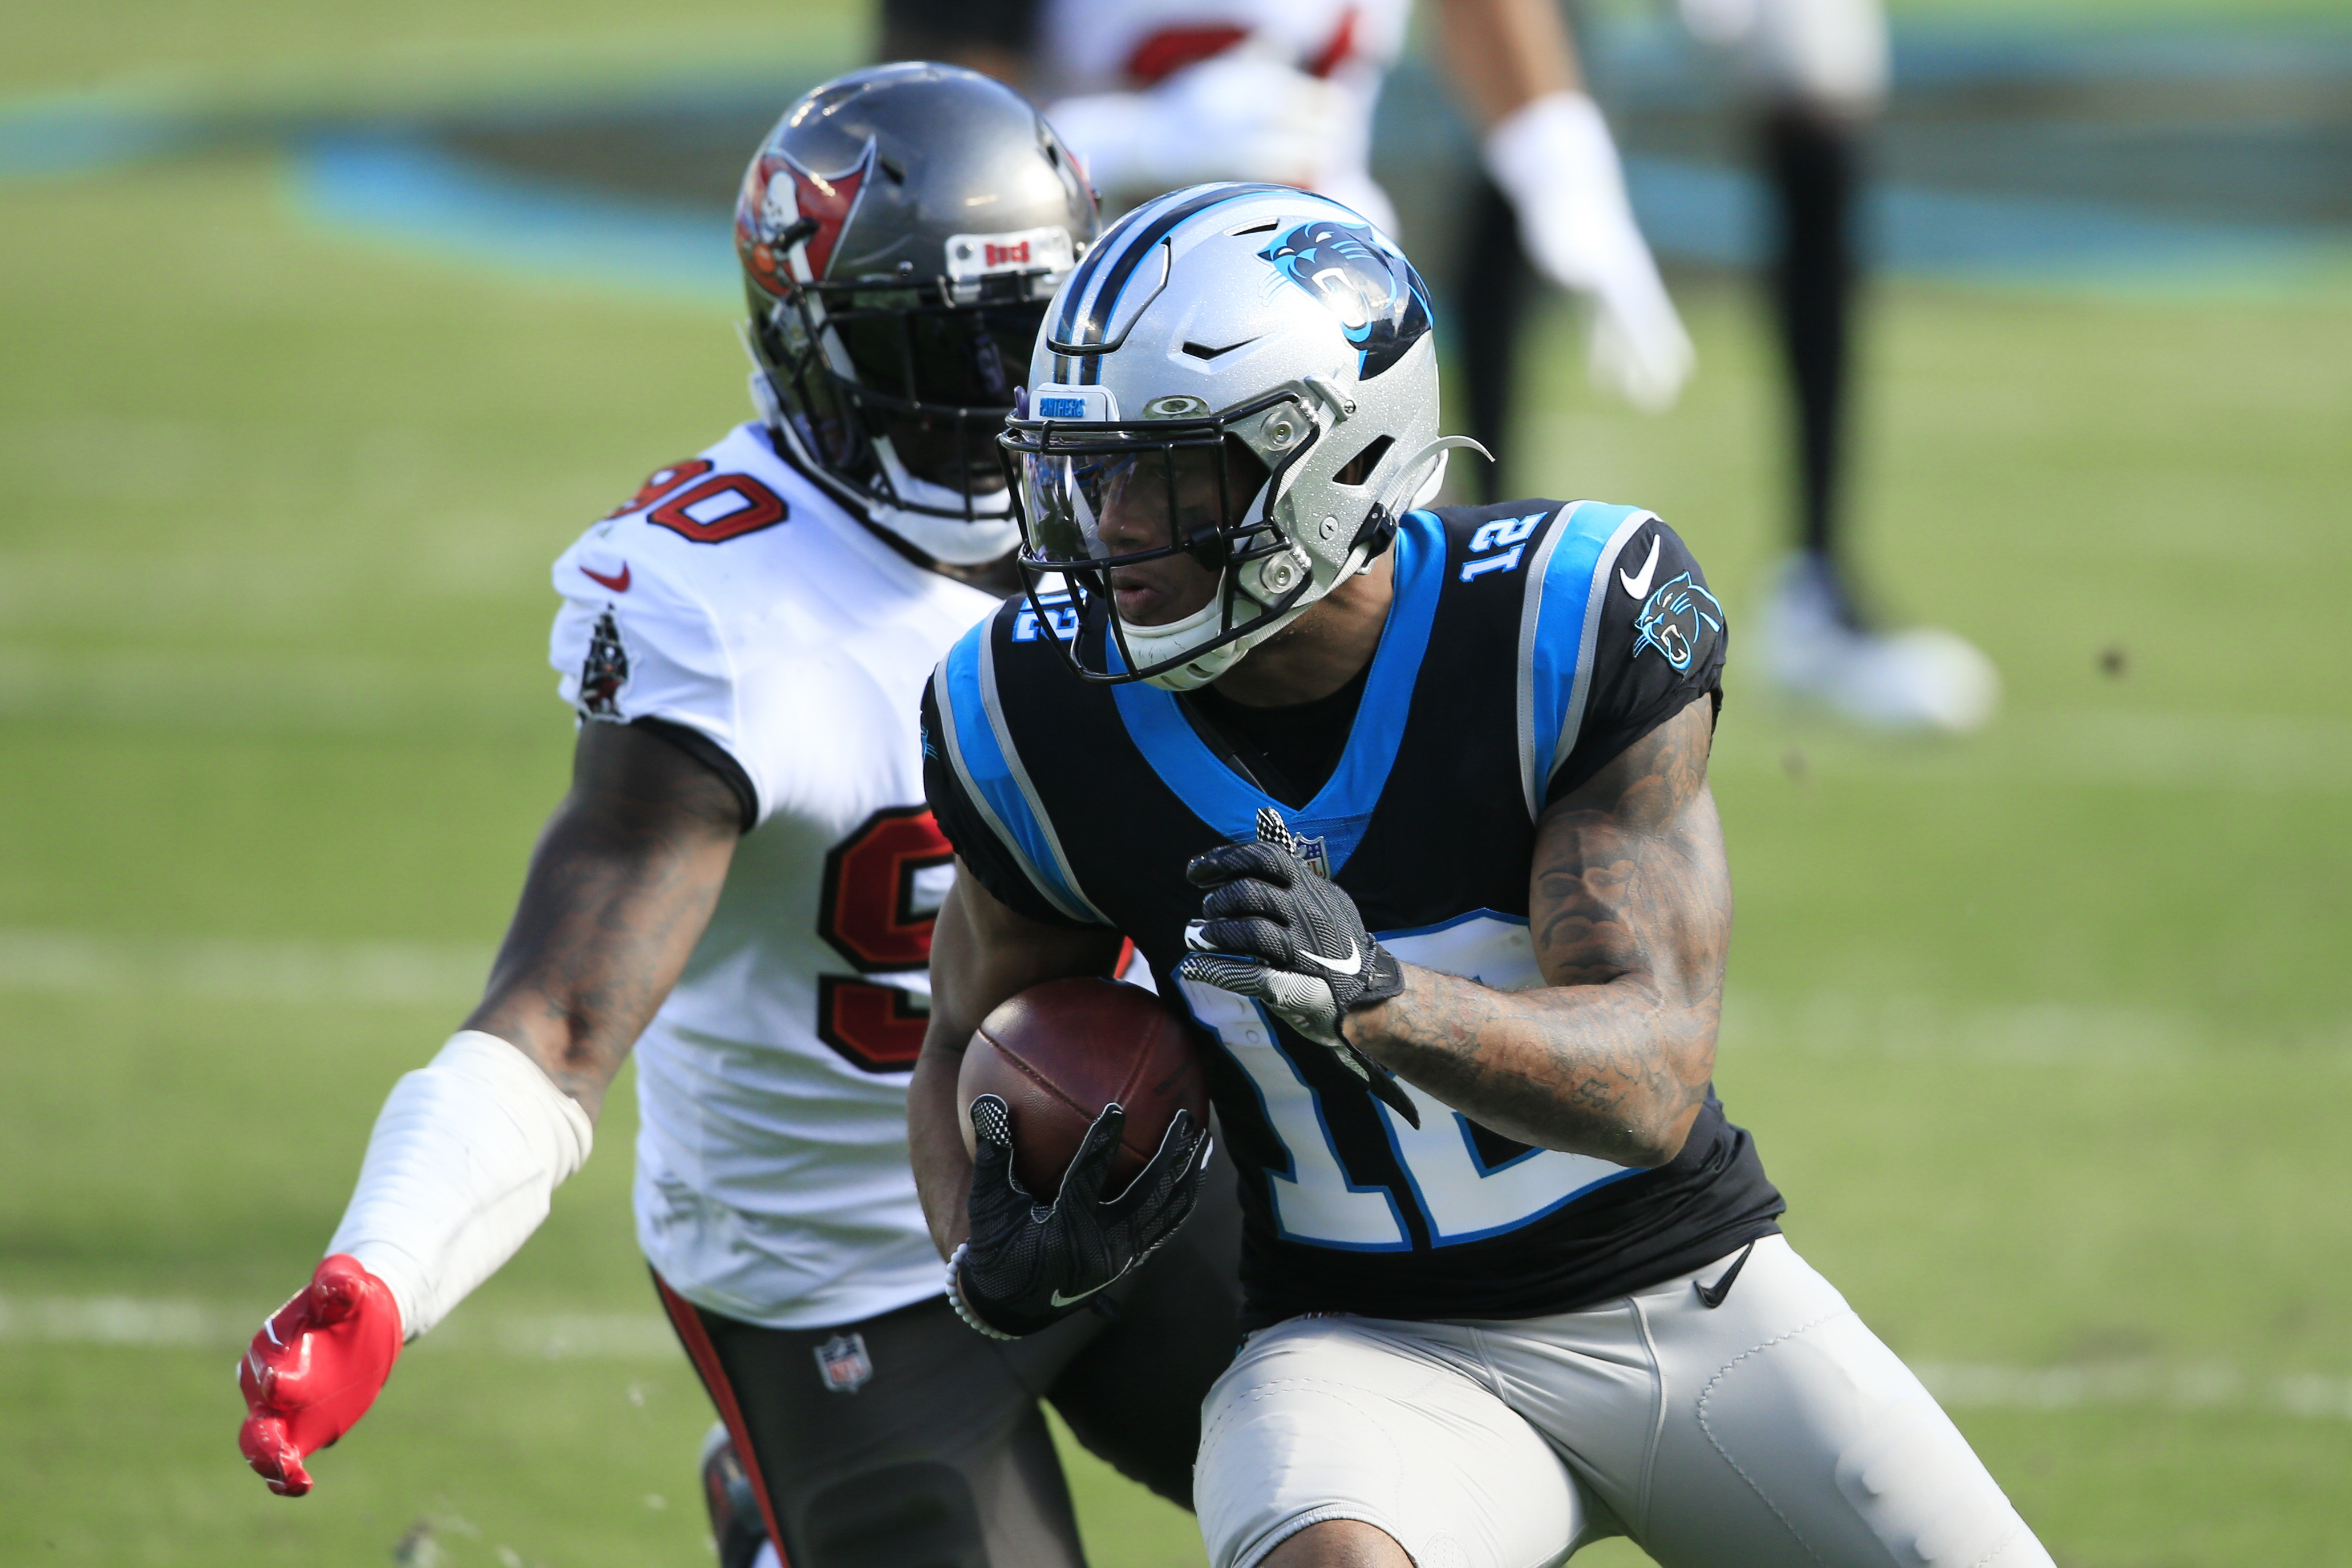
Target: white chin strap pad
[(1150, 644), (465, 1158), (954, 540)]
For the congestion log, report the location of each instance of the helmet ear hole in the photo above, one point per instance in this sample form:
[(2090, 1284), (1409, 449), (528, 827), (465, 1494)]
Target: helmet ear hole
[(1357, 470)]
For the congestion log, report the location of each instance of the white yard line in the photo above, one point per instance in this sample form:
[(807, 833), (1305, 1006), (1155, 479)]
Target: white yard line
[(2246, 754), (189, 1325), (1965, 1386), (2048, 1033), (125, 1320), (220, 970)]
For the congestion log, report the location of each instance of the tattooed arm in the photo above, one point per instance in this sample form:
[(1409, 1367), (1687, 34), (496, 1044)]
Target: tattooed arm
[(621, 882), (1630, 903)]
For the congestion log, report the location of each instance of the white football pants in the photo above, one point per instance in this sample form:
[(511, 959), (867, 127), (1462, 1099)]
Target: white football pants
[(1771, 1429)]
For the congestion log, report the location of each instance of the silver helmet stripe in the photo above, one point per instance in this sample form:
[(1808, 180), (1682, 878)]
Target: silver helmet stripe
[(1092, 297)]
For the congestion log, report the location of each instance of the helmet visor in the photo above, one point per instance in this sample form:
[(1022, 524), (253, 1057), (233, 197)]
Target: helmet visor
[(1136, 501), (931, 376), (1148, 526), (949, 357)]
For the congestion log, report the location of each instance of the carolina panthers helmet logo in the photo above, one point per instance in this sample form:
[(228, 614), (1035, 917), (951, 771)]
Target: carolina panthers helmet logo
[(1676, 621), (1380, 301)]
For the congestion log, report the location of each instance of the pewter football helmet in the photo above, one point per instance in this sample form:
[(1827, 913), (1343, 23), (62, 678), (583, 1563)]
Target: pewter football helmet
[(1248, 367), (900, 231)]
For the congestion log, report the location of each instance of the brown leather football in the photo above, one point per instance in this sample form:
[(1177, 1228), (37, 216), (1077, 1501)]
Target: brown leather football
[(1057, 1053)]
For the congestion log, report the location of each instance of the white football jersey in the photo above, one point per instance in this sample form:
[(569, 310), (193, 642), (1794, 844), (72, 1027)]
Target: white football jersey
[(735, 598), (1111, 46), (1131, 46)]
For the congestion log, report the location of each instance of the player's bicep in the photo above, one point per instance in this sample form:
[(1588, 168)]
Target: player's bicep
[(983, 951), (620, 885), (1629, 883)]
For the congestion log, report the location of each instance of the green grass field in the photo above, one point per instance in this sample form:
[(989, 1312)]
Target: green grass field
[(2043, 1034)]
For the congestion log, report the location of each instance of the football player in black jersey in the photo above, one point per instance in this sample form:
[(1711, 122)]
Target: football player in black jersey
[(1409, 809)]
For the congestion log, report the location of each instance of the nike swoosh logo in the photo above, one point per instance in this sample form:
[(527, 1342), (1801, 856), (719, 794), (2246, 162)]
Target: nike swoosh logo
[(1347, 965), (1060, 1299), (1713, 1296), (621, 584), (1636, 586)]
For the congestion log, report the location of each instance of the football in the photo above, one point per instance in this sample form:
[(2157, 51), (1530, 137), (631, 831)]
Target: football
[(1057, 1053)]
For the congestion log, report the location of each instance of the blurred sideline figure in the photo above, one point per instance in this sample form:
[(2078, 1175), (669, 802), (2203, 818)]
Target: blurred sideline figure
[(1814, 73), (743, 883), (1161, 92), (1155, 94)]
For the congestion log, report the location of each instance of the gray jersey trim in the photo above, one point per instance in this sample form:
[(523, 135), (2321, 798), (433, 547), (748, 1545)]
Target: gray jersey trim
[(1602, 572), (1020, 772), (1530, 611), (942, 687)]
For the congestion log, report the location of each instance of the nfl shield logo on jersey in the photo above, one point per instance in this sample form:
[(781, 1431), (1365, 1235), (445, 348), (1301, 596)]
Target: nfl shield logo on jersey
[(842, 1363)]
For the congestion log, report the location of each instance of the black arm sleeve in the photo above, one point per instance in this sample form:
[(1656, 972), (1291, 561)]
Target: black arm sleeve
[(976, 844), (1653, 655)]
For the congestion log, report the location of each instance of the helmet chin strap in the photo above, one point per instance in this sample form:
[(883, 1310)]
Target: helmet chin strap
[(988, 534), (1150, 644), (954, 540)]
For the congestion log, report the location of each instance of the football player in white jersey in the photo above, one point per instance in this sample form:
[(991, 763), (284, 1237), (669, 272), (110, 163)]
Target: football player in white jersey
[(1156, 93), (742, 884)]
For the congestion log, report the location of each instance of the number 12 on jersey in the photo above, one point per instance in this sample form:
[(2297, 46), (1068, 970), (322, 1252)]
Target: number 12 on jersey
[(1460, 1196)]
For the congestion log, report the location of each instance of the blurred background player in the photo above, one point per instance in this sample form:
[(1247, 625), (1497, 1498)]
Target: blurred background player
[(1156, 93), (1813, 76), (742, 883)]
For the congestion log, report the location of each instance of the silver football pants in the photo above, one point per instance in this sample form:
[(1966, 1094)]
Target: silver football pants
[(1771, 1429)]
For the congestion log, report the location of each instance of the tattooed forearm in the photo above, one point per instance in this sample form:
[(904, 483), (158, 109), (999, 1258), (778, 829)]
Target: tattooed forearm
[(1631, 914), (621, 885)]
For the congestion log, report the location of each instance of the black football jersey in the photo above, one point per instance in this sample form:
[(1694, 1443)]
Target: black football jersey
[(1527, 644)]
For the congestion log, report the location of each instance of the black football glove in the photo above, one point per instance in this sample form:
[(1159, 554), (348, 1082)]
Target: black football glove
[(1028, 1264), (1275, 929)]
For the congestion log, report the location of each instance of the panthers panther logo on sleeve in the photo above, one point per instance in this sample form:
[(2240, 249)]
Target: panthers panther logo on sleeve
[(1380, 299), (1677, 621)]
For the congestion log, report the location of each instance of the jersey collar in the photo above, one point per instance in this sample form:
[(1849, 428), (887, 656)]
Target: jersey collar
[(1342, 809)]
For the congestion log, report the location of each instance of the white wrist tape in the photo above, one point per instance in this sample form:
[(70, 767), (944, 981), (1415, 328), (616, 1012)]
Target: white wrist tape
[(465, 1157), (1558, 142), (1555, 161)]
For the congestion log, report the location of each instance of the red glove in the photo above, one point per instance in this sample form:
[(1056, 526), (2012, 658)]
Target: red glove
[(314, 1369)]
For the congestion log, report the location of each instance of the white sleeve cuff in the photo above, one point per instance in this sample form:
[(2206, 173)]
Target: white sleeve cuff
[(464, 1161)]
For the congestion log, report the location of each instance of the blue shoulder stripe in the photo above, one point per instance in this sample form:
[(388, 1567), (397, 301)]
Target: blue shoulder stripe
[(984, 758), (1558, 621)]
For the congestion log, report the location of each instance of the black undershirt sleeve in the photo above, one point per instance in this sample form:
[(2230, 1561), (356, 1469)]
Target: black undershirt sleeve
[(711, 755), (1652, 657), (983, 854)]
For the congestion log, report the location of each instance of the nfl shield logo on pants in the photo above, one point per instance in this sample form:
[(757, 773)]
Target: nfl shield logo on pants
[(841, 1362)]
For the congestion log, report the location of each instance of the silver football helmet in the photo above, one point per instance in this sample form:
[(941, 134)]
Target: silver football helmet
[(1238, 376), (900, 231)]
